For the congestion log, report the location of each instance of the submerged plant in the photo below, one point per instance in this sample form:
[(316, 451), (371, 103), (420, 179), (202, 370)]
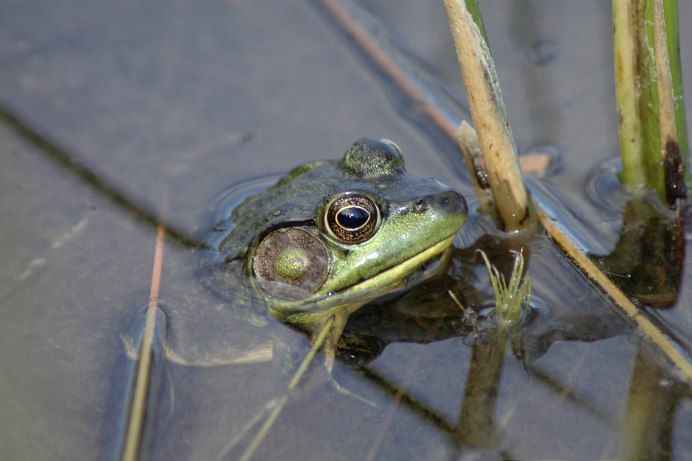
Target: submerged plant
[(509, 297)]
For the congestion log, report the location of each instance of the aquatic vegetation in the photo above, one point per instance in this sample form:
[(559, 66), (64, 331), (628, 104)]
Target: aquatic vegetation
[(649, 95), (511, 298)]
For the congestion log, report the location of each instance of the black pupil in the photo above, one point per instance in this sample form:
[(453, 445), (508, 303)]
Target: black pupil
[(352, 217)]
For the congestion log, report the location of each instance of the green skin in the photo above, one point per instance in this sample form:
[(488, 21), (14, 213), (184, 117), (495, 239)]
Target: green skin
[(418, 220)]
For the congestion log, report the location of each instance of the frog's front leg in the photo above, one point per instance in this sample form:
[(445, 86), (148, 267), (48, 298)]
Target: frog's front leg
[(328, 332), (331, 341)]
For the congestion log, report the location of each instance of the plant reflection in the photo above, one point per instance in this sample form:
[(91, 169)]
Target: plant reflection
[(647, 262), (423, 315)]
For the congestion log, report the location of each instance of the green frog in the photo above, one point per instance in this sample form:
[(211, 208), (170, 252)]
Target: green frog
[(333, 236)]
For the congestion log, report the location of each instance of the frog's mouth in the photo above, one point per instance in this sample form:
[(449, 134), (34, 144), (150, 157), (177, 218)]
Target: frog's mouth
[(413, 270), (427, 269)]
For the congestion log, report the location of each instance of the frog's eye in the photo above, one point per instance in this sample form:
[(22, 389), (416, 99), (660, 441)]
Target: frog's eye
[(352, 218)]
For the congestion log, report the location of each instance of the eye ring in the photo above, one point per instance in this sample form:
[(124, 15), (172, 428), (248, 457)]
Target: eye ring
[(352, 218)]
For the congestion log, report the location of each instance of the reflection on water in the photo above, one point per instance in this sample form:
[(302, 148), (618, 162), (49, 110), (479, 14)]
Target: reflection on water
[(566, 308)]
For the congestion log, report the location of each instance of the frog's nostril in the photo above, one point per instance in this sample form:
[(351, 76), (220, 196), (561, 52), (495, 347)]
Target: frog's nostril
[(453, 199), (419, 206)]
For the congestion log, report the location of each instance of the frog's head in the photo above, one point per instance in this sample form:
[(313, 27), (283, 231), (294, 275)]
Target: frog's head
[(332, 236)]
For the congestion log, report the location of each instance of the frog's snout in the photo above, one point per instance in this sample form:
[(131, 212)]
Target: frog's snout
[(453, 202)]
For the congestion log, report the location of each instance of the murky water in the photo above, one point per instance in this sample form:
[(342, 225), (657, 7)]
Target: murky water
[(165, 105)]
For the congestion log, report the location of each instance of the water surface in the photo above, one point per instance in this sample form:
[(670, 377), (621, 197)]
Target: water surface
[(169, 104)]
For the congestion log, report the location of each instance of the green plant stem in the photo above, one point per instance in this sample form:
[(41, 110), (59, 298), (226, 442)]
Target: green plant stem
[(625, 37), (648, 88), (648, 98), (672, 155), (474, 10), (670, 17)]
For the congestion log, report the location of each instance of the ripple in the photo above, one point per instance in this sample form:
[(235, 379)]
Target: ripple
[(604, 189), (220, 219)]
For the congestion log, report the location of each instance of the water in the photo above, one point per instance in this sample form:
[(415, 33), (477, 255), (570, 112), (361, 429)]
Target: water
[(169, 104)]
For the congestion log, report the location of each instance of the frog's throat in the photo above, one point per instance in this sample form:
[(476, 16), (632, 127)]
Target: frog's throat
[(314, 310)]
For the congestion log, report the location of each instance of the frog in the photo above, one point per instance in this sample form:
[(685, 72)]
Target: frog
[(334, 235)]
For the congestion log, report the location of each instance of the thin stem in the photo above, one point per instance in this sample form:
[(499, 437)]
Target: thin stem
[(625, 45), (266, 427), (671, 152), (670, 17)]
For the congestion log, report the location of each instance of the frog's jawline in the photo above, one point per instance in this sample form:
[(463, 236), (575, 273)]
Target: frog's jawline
[(408, 267), (306, 311)]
